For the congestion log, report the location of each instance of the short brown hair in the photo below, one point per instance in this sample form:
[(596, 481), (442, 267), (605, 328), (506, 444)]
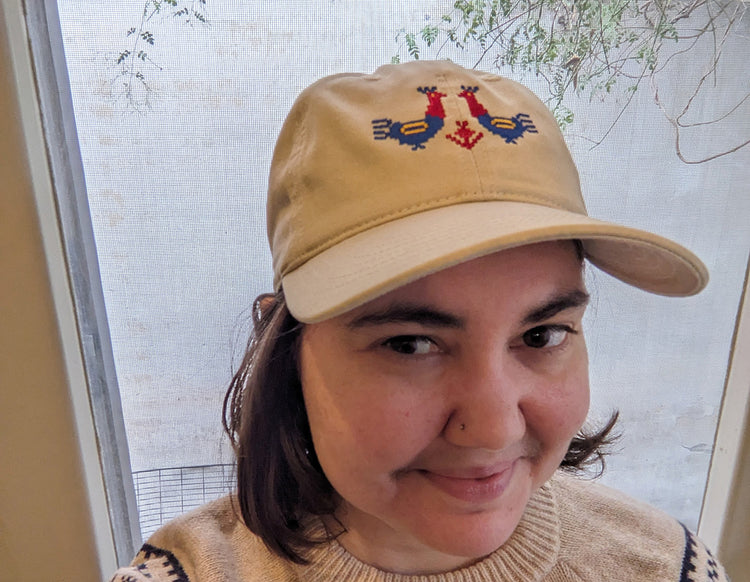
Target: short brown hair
[(280, 483)]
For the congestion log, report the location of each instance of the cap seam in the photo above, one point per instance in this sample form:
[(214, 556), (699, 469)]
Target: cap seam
[(459, 115), (294, 159)]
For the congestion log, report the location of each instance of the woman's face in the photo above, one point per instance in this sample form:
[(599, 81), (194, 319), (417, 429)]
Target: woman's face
[(437, 410)]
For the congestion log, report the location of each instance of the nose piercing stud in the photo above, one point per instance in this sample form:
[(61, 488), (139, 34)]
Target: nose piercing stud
[(462, 426)]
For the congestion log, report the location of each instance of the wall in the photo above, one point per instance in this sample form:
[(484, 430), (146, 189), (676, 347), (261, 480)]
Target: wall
[(47, 528)]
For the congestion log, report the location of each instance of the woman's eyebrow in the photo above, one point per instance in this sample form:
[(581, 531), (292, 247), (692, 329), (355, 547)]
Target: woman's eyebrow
[(432, 317), (408, 313), (557, 304)]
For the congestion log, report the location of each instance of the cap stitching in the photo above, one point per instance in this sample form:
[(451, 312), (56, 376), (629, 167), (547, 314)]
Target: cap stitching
[(435, 203)]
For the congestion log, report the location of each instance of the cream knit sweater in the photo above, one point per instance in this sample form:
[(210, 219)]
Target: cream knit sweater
[(572, 531)]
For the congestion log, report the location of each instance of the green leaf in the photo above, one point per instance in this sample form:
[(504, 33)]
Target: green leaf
[(411, 45), (429, 34)]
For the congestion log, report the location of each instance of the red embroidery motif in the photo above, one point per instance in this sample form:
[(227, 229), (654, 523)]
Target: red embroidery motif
[(463, 135)]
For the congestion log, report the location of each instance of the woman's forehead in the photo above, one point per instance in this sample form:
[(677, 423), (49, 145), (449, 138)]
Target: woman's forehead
[(513, 279)]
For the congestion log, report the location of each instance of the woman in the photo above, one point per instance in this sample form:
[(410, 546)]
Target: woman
[(419, 377)]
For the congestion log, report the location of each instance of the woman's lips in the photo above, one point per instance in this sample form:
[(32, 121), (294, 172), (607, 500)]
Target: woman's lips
[(475, 485)]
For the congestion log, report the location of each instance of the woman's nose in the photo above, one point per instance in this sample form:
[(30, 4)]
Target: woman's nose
[(487, 405)]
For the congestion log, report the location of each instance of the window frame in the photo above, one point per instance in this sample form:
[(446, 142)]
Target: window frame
[(55, 106), (726, 501)]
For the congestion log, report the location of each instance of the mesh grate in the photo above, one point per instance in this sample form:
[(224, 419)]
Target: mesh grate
[(163, 494)]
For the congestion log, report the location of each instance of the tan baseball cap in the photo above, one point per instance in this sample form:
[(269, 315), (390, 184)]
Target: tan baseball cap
[(380, 179)]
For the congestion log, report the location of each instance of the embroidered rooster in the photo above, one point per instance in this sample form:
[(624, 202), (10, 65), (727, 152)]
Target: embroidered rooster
[(509, 128), (414, 133)]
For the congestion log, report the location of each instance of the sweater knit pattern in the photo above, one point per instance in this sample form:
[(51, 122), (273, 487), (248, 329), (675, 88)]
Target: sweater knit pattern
[(571, 531), (527, 555)]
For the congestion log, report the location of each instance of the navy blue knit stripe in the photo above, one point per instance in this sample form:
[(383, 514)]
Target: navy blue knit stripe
[(688, 566), (171, 561)]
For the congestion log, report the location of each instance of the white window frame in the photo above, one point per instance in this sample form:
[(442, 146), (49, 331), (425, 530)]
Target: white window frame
[(725, 516)]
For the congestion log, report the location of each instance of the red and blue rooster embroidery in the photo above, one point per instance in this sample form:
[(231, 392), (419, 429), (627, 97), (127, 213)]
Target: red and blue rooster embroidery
[(415, 133), (509, 128)]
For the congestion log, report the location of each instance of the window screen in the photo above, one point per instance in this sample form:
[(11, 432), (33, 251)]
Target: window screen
[(177, 115)]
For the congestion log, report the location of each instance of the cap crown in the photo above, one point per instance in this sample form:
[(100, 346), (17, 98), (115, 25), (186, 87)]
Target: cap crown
[(357, 151)]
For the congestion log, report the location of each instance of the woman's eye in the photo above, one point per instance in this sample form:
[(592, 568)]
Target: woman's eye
[(546, 336), (410, 344)]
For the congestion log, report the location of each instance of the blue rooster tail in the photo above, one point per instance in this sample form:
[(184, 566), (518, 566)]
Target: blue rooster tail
[(525, 121), (381, 128)]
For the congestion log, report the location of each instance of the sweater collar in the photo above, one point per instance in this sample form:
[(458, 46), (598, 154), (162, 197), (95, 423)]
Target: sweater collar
[(528, 555)]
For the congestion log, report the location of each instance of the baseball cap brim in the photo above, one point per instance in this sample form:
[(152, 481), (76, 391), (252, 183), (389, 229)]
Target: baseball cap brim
[(376, 261)]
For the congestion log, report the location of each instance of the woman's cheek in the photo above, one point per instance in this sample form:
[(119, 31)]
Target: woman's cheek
[(393, 426), (573, 394), (355, 412), (560, 407), (572, 409)]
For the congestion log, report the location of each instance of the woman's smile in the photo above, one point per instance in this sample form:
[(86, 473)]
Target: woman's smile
[(476, 485)]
